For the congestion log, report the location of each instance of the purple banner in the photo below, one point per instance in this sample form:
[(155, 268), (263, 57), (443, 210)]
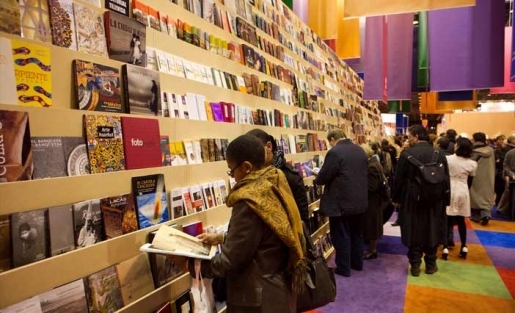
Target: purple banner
[(466, 46), (374, 36), (400, 55), (512, 66)]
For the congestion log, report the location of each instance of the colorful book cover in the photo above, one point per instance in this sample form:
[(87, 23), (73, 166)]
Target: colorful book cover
[(97, 87), (17, 157), (142, 90), (126, 38), (140, 12), (87, 223), (141, 142), (10, 17), (7, 79), (180, 153), (103, 291), (91, 37), (163, 22), (186, 198), (193, 229), (67, 298), (209, 197), (32, 67), (177, 203), (104, 141), (62, 20), (218, 193), (29, 239), (60, 226), (151, 200), (197, 201), (135, 278), (166, 155), (119, 215), (153, 19), (5, 243), (35, 20)]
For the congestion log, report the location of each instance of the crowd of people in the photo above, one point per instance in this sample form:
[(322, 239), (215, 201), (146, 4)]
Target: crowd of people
[(434, 182)]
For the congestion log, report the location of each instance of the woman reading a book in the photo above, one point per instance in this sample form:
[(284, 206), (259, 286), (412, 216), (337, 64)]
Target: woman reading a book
[(262, 255)]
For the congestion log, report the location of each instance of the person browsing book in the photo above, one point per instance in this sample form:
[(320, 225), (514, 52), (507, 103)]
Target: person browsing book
[(262, 254)]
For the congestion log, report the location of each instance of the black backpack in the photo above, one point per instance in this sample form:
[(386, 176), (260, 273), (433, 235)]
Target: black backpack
[(429, 185)]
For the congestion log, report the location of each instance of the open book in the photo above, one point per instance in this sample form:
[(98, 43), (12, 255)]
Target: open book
[(314, 170), (171, 241)]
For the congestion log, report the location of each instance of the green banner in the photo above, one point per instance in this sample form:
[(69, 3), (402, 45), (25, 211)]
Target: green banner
[(399, 106), (289, 3), (423, 61)]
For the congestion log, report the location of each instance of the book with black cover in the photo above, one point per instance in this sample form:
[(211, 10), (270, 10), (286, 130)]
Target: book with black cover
[(165, 268), (183, 303), (5, 243), (59, 156), (126, 38), (142, 92), (151, 200), (87, 223), (29, 238), (60, 226)]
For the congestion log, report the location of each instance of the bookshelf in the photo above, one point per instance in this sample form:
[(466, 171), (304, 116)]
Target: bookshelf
[(62, 119)]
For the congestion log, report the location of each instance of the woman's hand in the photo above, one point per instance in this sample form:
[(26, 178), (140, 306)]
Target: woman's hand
[(212, 239)]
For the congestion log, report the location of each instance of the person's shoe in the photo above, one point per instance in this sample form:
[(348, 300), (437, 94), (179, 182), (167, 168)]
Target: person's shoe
[(370, 256), (485, 220), (445, 254), (415, 271), (431, 269), (463, 252)]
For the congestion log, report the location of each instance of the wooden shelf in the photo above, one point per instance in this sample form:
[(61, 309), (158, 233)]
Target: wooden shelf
[(324, 229), (314, 204), (327, 255)]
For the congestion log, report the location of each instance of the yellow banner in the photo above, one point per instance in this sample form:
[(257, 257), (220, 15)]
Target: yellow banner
[(429, 104), (322, 18), (361, 8), (347, 42)]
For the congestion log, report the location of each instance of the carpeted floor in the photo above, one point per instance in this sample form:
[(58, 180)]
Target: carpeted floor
[(484, 282)]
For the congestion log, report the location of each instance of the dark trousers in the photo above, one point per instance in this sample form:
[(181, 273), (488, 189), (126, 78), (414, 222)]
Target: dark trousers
[(347, 238), (415, 253), (462, 229)]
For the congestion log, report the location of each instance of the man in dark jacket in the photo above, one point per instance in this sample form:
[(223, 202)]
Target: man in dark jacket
[(508, 160), (422, 223), (345, 199)]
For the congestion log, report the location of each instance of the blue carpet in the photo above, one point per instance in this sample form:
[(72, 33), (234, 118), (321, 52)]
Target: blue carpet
[(496, 239)]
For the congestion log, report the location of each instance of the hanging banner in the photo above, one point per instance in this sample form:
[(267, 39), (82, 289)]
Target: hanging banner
[(348, 40), (322, 18), (466, 46), (399, 56), (300, 8), (385, 61), (374, 69), (509, 86), (402, 106), (512, 56), (361, 8), (422, 56)]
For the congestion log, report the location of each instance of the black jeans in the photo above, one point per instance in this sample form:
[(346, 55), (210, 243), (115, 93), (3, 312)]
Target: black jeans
[(347, 237), (415, 253)]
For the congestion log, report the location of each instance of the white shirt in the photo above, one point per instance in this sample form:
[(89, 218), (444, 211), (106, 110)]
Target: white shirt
[(460, 169)]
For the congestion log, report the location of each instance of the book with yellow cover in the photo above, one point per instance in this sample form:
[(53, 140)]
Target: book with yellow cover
[(32, 68)]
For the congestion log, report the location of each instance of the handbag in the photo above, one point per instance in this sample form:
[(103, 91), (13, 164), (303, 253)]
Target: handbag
[(320, 286), (203, 298)]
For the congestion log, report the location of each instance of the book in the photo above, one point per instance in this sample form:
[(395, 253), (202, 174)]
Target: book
[(141, 142), (186, 198), (140, 12), (177, 203), (217, 193), (35, 21), (141, 90), (32, 67), (89, 25), (174, 242), (197, 201), (126, 38), (118, 6), (104, 140), (70, 297), (190, 152), (29, 238), (173, 104), (198, 151), (184, 303), (17, 163), (209, 197), (204, 144), (7, 79), (87, 223), (119, 215), (135, 278), (166, 156), (163, 22), (31, 305), (179, 157), (62, 21), (223, 190), (60, 229), (10, 17), (103, 291), (153, 19), (97, 87), (165, 268), (208, 7), (150, 199), (193, 229), (5, 243)]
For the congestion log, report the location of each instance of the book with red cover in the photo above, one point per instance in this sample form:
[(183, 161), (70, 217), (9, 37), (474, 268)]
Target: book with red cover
[(142, 142), (226, 111), (193, 229)]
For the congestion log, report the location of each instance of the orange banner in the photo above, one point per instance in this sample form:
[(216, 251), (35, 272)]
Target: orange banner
[(323, 17), (361, 8), (429, 104)]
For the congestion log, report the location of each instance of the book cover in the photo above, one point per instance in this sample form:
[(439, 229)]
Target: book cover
[(126, 38), (186, 198), (166, 155), (218, 193), (191, 104), (32, 67), (197, 148), (135, 278), (97, 87), (35, 20), (91, 37), (204, 145), (119, 215), (87, 223), (10, 17), (5, 243), (103, 291), (173, 104), (218, 114), (211, 149), (193, 229), (75, 155), (29, 239), (177, 203), (165, 268), (16, 150), (183, 303), (172, 27), (180, 153), (163, 23), (140, 12), (67, 298), (142, 90), (208, 7), (119, 6), (104, 141), (60, 225), (62, 21), (190, 152), (197, 201), (151, 200), (31, 305), (153, 19), (7, 79), (209, 197), (142, 143)]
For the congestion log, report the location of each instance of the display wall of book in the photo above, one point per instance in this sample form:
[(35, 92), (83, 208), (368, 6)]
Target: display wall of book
[(121, 129)]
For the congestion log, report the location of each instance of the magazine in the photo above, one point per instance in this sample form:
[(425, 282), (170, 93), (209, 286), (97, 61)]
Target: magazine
[(169, 240)]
